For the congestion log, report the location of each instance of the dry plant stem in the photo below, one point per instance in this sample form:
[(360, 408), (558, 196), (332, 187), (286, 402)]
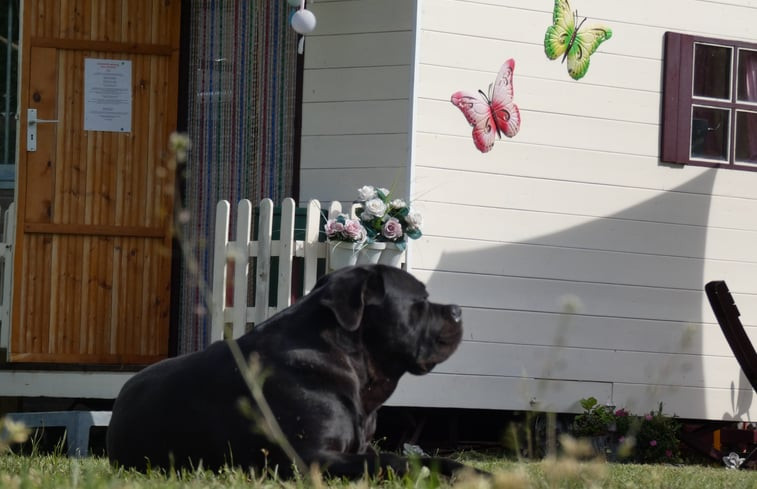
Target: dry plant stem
[(249, 372), (273, 431)]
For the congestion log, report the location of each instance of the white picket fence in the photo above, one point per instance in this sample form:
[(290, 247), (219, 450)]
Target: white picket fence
[(233, 319), (6, 273)]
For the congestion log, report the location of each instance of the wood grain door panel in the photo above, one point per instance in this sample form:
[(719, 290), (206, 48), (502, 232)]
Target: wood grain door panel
[(93, 249)]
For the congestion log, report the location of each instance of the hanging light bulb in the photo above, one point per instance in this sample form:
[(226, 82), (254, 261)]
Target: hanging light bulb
[(303, 21)]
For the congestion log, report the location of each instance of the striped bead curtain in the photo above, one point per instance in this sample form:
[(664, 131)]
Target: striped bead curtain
[(242, 101)]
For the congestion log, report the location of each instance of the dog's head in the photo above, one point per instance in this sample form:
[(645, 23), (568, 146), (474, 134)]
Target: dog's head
[(399, 326)]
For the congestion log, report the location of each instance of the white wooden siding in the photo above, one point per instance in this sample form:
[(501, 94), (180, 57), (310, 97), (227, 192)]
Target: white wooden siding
[(539, 394), (575, 212), (356, 98)]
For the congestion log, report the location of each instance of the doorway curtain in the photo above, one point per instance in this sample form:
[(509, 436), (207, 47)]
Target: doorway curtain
[(242, 96)]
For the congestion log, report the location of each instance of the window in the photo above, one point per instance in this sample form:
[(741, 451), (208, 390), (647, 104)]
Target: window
[(8, 98), (709, 102)]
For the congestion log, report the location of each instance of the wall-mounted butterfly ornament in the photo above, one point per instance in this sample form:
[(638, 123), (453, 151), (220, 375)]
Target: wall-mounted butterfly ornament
[(491, 115), (574, 42)]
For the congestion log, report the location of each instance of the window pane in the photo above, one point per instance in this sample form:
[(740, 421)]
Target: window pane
[(712, 71), (709, 133), (746, 136), (8, 99), (8, 74), (747, 80)]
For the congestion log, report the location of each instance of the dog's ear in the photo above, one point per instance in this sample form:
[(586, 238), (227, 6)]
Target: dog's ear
[(348, 292)]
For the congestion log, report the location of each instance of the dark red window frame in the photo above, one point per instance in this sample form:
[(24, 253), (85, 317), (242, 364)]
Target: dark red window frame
[(677, 101)]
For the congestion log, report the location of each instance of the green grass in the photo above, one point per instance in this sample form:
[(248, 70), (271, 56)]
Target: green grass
[(52, 471)]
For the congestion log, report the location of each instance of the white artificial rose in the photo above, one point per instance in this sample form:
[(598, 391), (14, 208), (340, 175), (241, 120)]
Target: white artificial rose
[(398, 204), (414, 220), (374, 208), (366, 193)]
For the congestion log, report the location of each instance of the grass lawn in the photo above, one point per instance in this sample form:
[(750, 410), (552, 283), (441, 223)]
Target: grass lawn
[(51, 471)]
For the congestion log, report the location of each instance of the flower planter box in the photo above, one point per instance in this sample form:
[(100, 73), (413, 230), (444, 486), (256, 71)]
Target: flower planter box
[(375, 230), (343, 254)]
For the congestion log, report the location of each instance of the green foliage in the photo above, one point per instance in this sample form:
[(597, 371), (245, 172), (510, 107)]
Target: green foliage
[(596, 420), (657, 438), (651, 438)]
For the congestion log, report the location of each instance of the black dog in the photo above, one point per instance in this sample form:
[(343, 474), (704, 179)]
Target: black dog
[(331, 360)]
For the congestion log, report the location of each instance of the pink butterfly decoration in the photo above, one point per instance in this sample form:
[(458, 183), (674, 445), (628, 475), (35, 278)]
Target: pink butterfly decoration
[(495, 114)]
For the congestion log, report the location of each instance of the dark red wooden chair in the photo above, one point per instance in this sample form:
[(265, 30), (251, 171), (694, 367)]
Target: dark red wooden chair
[(727, 314)]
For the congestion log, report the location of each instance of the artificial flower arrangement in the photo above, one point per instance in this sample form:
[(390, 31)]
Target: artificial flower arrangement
[(379, 219)]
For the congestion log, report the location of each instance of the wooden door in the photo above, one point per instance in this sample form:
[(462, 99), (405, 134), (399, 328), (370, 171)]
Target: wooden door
[(93, 247)]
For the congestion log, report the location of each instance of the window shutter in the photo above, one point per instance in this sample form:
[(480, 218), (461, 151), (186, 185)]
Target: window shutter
[(676, 98)]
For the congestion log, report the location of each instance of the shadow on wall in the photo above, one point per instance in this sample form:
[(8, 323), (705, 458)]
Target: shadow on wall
[(609, 307)]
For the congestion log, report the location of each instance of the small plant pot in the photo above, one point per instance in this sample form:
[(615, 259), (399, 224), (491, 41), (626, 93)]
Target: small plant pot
[(342, 254), (370, 254), (392, 255)]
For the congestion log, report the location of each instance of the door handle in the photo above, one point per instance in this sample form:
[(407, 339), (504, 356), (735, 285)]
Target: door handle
[(31, 128)]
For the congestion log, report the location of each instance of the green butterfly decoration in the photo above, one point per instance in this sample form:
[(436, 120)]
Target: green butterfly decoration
[(571, 41)]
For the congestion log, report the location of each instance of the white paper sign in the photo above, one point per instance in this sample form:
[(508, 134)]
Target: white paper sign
[(107, 95)]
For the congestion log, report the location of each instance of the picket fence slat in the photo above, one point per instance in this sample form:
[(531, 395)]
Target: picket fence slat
[(335, 208), (221, 252), (241, 266), (286, 238), (6, 268), (310, 249), (263, 273)]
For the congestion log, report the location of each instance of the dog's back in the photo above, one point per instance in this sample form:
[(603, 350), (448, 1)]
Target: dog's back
[(181, 412)]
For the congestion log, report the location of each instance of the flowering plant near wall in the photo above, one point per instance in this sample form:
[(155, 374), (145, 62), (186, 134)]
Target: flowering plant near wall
[(386, 219), (657, 438)]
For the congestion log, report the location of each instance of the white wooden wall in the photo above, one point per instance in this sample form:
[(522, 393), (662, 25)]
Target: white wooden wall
[(578, 208), (356, 98), (575, 211)]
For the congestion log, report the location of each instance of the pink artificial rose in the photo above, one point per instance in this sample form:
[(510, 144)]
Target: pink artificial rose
[(392, 229), (333, 228), (653, 443), (354, 230), (669, 453)]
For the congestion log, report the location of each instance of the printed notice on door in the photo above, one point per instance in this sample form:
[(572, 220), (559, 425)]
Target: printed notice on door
[(107, 95)]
